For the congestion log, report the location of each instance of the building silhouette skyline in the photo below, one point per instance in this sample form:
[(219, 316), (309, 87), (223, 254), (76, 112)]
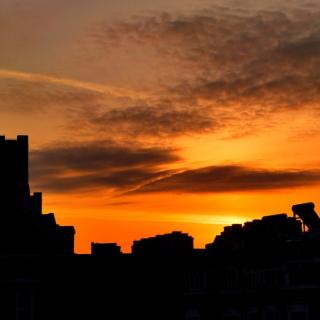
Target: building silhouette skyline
[(264, 269)]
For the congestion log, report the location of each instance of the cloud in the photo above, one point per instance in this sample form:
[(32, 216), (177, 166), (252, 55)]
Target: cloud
[(17, 95), (119, 181), (98, 164), (231, 67), (219, 70), (31, 92), (92, 108), (130, 169), (107, 90), (101, 154), (216, 179), (144, 121)]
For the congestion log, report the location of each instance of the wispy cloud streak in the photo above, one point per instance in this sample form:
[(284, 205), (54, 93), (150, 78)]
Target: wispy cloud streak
[(235, 178), (94, 87), (131, 169)]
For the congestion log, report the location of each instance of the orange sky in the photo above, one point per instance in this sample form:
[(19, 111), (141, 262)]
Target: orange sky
[(163, 115)]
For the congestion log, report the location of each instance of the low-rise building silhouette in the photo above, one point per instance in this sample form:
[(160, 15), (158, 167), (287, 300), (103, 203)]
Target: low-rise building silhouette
[(105, 249), (175, 243)]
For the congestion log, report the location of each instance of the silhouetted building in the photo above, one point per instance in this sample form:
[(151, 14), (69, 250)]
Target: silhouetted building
[(266, 269), (266, 236), (171, 244), (105, 249), (25, 229)]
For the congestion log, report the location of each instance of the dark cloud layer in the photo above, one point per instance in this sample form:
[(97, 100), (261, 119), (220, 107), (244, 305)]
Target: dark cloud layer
[(133, 169), (161, 120), (120, 180), (100, 154), (215, 179), (97, 164)]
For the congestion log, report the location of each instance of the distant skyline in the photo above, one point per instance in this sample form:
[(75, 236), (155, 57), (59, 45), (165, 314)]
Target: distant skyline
[(148, 117)]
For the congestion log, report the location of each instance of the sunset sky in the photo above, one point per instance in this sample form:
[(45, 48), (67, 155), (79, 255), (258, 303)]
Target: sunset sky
[(146, 117)]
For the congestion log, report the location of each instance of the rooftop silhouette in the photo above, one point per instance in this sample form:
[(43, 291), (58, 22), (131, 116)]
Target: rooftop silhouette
[(172, 244)]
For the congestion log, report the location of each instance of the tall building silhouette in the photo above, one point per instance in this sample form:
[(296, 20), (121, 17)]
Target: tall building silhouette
[(25, 229)]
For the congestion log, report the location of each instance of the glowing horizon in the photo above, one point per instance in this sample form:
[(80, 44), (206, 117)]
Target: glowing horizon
[(163, 115)]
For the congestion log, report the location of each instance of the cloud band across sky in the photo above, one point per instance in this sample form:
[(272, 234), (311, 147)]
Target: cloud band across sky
[(132, 170)]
